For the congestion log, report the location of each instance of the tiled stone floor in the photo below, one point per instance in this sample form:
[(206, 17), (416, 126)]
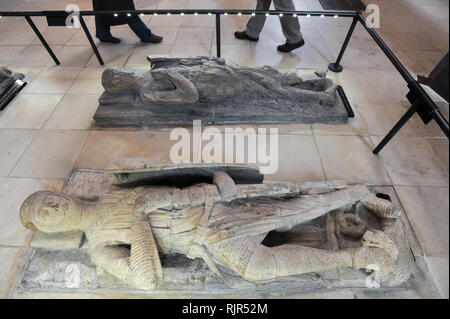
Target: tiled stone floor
[(48, 129)]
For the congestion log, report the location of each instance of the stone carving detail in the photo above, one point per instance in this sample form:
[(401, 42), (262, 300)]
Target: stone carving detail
[(225, 224), (10, 85), (178, 91)]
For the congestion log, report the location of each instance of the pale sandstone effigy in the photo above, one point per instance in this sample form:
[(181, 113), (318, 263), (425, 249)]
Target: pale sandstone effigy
[(222, 222)]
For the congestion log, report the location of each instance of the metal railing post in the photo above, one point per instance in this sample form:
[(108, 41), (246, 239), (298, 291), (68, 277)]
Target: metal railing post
[(41, 38), (336, 67), (91, 41), (218, 35)]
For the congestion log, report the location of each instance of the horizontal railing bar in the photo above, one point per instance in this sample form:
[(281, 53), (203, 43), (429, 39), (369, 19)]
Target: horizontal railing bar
[(187, 11)]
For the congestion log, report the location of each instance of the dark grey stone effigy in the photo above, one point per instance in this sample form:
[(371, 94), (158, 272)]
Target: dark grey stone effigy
[(10, 85), (177, 91)]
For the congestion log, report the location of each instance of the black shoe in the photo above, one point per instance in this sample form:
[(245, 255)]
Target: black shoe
[(241, 35), (111, 40), (288, 47)]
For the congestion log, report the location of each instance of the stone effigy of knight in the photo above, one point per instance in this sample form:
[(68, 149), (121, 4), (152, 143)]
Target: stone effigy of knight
[(223, 222)]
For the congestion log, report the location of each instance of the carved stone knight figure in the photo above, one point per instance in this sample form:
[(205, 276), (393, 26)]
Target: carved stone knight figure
[(223, 223), (215, 91), (10, 85)]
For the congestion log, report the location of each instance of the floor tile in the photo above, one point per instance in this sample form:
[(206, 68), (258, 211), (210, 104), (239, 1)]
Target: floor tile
[(427, 209), (237, 53), (51, 155), (441, 149), (439, 268), (10, 261), (9, 52), (75, 55), (75, 112), (13, 144), (103, 147), (13, 191), (54, 80), (88, 82), (426, 60), (381, 117), (354, 126), (298, 160), (29, 111), (80, 38), (373, 86), (290, 129), (23, 35), (415, 41), (375, 59), (113, 55), (194, 36), (350, 158), (56, 35), (410, 161), (190, 50), (35, 55)]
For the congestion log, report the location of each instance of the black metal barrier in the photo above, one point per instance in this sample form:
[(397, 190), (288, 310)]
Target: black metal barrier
[(421, 103)]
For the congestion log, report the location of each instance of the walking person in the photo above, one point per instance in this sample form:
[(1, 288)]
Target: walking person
[(103, 23), (290, 25)]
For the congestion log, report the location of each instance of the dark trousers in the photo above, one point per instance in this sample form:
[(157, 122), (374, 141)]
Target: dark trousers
[(103, 32)]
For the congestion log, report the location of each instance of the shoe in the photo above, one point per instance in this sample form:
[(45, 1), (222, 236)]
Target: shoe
[(154, 39), (241, 35), (111, 40), (288, 47)]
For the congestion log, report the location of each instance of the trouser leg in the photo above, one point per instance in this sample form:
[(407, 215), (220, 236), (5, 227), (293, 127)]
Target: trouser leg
[(290, 25), (103, 32), (256, 23), (141, 30), (272, 262)]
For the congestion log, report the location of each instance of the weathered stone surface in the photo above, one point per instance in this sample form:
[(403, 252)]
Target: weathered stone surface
[(67, 240), (177, 91), (10, 85), (53, 270), (7, 78)]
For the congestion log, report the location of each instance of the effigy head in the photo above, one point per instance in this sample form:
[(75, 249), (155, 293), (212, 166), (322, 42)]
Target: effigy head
[(48, 212), (118, 80)]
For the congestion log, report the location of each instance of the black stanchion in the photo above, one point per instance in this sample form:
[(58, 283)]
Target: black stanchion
[(91, 41), (41, 38), (218, 34), (336, 66)]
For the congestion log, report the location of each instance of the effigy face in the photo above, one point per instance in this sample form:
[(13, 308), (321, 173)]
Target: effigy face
[(216, 92), (222, 233)]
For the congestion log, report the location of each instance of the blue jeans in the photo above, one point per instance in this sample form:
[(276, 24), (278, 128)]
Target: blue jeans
[(103, 32)]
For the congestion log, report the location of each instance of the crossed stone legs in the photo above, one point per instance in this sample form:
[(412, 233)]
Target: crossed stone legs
[(258, 263)]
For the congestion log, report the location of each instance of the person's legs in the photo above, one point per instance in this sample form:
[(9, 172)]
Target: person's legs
[(256, 23), (290, 25), (141, 30), (103, 32)]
